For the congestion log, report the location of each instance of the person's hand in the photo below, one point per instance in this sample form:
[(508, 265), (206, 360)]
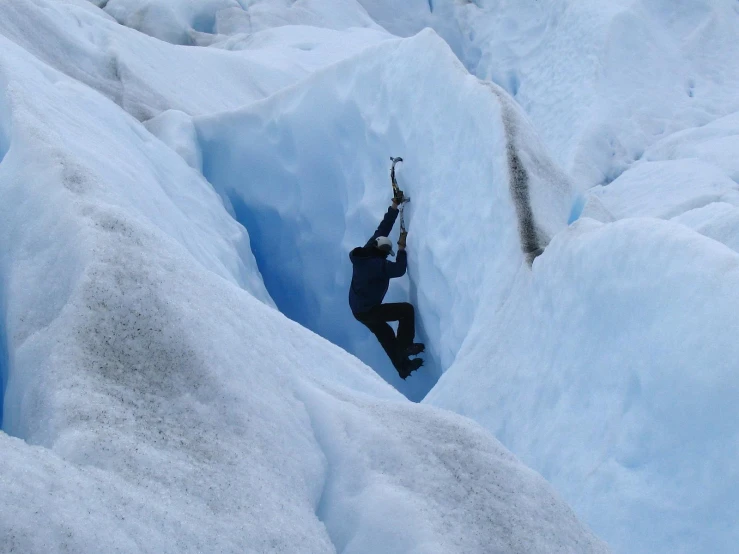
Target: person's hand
[(401, 240), (394, 205), (398, 198)]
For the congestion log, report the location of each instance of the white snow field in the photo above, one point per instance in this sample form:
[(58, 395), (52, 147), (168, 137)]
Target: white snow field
[(182, 181), (154, 398)]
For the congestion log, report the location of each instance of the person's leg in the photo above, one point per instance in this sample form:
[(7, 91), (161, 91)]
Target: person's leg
[(405, 315), (406, 325), (384, 333)]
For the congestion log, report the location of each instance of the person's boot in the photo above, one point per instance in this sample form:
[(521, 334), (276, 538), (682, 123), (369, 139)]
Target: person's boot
[(408, 367), (415, 349)]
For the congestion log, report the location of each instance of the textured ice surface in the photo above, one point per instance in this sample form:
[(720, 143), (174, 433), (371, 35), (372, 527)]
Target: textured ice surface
[(157, 401)]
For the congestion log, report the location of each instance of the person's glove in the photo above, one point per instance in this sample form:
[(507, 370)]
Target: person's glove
[(401, 240), (398, 198)]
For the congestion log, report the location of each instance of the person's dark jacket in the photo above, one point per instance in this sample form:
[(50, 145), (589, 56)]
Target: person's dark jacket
[(372, 269)]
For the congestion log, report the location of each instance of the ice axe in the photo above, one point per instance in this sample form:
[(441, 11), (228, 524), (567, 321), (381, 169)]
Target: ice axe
[(398, 195)]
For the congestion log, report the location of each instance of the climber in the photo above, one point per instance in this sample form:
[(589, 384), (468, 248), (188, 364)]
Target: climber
[(371, 276)]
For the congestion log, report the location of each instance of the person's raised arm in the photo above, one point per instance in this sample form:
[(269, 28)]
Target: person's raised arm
[(386, 225)]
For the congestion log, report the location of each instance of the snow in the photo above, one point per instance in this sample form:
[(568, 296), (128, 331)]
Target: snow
[(182, 182), (154, 398)]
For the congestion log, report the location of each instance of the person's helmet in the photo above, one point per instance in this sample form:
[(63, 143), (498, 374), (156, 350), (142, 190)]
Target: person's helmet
[(384, 244)]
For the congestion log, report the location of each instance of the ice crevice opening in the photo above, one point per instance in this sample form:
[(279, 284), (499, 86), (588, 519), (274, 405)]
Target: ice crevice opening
[(306, 171)]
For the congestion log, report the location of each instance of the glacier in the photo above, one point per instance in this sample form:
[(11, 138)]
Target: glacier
[(182, 182)]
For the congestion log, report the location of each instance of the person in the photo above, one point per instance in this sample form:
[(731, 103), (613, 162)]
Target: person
[(371, 276)]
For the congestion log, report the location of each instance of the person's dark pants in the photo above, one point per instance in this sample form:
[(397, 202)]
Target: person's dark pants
[(376, 321)]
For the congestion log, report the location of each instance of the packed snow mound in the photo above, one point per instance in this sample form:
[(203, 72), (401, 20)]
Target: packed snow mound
[(611, 371), (146, 76), (169, 407), (306, 172)]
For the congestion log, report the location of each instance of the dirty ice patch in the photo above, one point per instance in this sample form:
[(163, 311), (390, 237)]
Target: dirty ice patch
[(306, 172), (611, 371), (540, 191)]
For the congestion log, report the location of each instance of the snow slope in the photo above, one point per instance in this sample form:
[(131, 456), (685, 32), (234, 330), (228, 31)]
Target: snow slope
[(157, 402), (611, 370)]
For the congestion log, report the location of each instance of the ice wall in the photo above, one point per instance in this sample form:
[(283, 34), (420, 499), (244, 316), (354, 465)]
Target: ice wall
[(306, 171)]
